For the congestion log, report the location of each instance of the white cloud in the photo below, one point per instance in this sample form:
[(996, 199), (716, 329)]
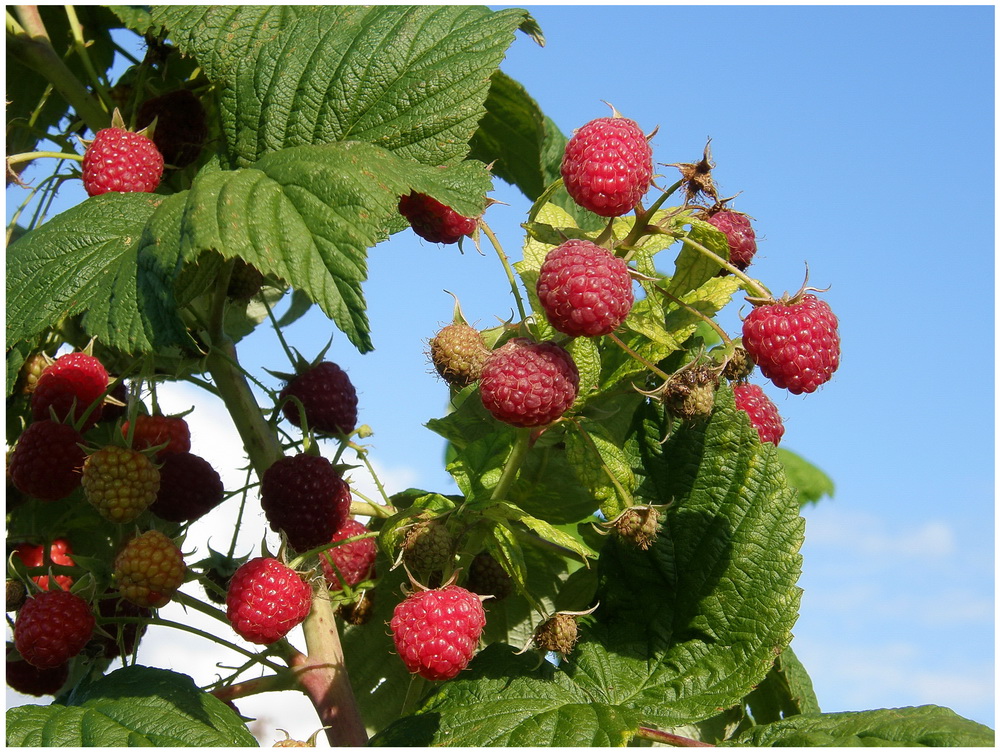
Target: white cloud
[(861, 533)]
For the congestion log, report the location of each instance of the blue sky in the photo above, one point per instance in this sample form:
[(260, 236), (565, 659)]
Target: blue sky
[(861, 139)]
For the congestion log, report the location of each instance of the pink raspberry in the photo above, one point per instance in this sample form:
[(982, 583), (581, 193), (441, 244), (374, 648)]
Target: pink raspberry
[(584, 289), (795, 343), (120, 160), (352, 562), (68, 387), (433, 221), (436, 632), (763, 413), (266, 599), (608, 166), (740, 235), (525, 383)]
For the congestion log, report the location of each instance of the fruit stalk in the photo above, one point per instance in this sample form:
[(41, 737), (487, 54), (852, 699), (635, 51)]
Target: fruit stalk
[(666, 738), (323, 677)]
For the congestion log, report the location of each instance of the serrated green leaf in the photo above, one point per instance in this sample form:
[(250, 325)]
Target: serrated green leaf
[(411, 79), (478, 466), (694, 623), (810, 482), (506, 700), (693, 268), (925, 726), (601, 466), (500, 510), (133, 706), (307, 215), (85, 260), (786, 691), (135, 17)]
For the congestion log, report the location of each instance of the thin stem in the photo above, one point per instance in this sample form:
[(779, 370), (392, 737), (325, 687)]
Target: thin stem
[(29, 156), (513, 464), (284, 680), (378, 483), (189, 601), (707, 319), (414, 691), (29, 42), (648, 733), (652, 367), (281, 337), (753, 285), (80, 46), (506, 267)]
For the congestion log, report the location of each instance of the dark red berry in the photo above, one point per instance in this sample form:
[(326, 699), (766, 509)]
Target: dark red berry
[(181, 129), (47, 460), (29, 680), (52, 627), (172, 432), (304, 496), (327, 396), (433, 221), (189, 488)]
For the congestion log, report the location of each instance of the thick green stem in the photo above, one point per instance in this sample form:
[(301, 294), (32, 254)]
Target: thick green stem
[(513, 464), (323, 677), (28, 41)]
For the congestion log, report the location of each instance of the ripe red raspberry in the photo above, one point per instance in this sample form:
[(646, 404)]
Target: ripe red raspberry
[(458, 353), (189, 488), (149, 570), (763, 413), (584, 289), (608, 166), (52, 627), (73, 378), (33, 555), (328, 397), (121, 483), (525, 383), (433, 221), (266, 599), (153, 431), (795, 344), (304, 496), (740, 235), (29, 680), (120, 160), (47, 460), (349, 563), (436, 632)]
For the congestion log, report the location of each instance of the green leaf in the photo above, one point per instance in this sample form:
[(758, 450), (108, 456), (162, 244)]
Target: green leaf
[(411, 79), (786, 691), (85, 260), (694, 268), (810, 482), (601, 466), (133, 706), (694, 623), (308, 215), (220, 36), (506, 700), (930, 726), (503, 511)]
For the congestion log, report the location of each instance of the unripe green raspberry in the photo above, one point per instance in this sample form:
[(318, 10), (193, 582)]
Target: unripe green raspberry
[(427, 546), (458, 353), (638, 525), (558, 633), (488, 578), (121, 483), (690, 393), (149, 570)]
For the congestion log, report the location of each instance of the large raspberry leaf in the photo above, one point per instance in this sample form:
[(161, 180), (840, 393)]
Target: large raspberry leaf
[(132, 706), (85, 260), (811, 483), (931, 726), (411, 79)]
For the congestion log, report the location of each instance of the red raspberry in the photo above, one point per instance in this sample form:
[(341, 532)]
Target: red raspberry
[(740, 235), (433, 221), (525, 383), (33, 555), (763, 413), (328, 397), (189, 488), (149, 570), (120, 160), (73, 378), (52, 627), (795, 344), (121, 483), (153, 431), (584, 289), (436, 632), (47, 460), (29, 680), (349, 563), (266, 599), (458, 353), (608, 166), (304, 496)]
